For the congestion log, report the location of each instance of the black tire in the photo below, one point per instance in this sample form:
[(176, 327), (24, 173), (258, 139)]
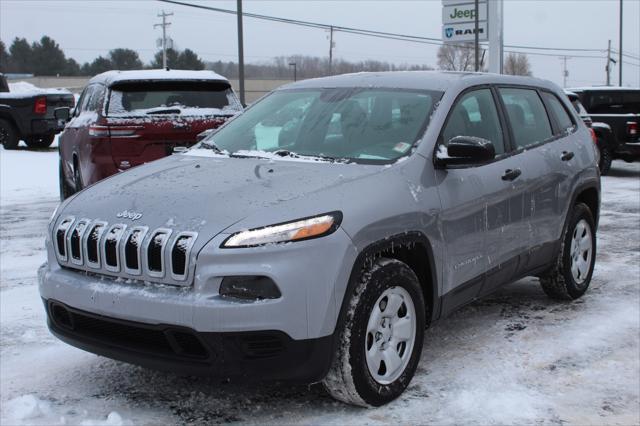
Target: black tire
[(559, 282), (40, 142), (349, 379), (66, 190), (8, 135), (606, 157), (77, 177)]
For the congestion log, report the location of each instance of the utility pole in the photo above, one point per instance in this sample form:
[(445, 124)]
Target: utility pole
[(477, 36), (608, 67), (295, 70), (240, 54), (620, 50), (330, 49), (164, 26), (565, 72)]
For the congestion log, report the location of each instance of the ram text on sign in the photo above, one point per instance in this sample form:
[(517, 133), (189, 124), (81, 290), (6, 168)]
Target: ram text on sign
[(457, 33)]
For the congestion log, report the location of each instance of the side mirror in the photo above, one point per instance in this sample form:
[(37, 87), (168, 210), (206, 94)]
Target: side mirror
[(466, 150), (205, 133), (62, 113)]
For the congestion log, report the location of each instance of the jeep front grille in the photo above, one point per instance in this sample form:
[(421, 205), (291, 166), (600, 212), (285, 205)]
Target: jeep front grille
[(159, 255)]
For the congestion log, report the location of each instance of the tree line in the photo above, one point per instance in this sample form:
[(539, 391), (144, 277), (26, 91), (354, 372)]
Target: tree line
[(45, 57)]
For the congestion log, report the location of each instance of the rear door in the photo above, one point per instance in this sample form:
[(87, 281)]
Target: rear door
[(482, 205), (549, 155), (147, 119)]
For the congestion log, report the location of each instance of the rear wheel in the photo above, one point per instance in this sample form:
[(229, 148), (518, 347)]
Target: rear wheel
[(77, 177), (606, 157), (66, 190), (380, 339), (40, 142), (8, 135), (570, 277)]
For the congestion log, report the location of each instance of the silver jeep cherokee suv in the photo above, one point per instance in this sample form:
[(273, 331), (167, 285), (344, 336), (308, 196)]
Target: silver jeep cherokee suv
[(317, 235)]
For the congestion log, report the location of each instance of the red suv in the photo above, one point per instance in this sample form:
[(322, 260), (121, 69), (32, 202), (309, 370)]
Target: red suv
[(127, 118)]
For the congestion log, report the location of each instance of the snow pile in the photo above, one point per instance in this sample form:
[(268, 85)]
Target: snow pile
[(113, 419), (26, 407)]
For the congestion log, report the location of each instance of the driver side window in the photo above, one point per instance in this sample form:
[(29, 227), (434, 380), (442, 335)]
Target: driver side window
[(475, 114)]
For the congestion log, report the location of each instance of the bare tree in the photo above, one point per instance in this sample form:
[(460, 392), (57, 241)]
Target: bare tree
[(517, 64), (456, 57)]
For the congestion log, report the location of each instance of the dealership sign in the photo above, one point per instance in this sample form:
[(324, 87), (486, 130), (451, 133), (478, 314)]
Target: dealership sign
[(458, 21)]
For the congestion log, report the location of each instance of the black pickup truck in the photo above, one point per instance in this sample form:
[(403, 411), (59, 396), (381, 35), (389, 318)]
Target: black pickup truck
[(615, 112), (28, 115)]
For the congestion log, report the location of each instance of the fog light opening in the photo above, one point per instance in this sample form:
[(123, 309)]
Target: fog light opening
[(249, 288)]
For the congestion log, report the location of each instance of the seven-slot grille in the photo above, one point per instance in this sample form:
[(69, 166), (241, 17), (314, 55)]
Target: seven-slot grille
[(133, 252)]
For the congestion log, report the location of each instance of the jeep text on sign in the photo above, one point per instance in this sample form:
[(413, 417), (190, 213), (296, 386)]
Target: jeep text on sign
[(463, 13)]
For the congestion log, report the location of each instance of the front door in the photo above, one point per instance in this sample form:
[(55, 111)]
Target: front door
[(482, 205)]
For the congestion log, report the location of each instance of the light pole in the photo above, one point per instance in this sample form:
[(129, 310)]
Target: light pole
[(620, 50), (240, 55), (295, 69)]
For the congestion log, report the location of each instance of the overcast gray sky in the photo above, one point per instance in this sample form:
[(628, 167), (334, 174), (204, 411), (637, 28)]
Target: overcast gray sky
[(86, 29)]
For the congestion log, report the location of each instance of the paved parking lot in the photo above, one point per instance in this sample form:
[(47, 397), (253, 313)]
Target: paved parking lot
[(516, 357)]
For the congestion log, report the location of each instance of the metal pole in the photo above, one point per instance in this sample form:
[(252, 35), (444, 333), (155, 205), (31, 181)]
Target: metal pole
[(295, 69), (477, 44), (608, 67), (240, 54), (495, 30), (620, 50), (330, 49)]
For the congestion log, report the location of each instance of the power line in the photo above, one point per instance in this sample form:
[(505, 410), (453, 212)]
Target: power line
[(366, 32)]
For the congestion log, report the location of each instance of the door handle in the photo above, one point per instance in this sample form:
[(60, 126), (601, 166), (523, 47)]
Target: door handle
[(566, 155), (511, 174)]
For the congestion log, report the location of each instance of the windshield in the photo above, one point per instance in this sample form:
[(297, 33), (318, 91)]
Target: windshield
[(354, 124), (172, 97)]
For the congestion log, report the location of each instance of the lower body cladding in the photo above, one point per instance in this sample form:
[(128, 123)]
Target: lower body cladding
[(195, 330)]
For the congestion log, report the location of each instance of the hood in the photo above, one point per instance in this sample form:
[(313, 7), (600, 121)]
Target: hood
[(209, 194)]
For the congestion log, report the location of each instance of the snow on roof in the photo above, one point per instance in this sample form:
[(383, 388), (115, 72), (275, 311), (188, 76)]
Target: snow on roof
[(112, 77), (602, 88), (428, 80), (25, 89)]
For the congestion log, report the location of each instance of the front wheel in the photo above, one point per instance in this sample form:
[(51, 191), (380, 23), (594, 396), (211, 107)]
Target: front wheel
[(380, 339), (570, 277)]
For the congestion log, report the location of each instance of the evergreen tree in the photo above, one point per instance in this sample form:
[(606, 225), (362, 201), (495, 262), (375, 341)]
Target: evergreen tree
[(188, 60), (125, 59), (20, 56)]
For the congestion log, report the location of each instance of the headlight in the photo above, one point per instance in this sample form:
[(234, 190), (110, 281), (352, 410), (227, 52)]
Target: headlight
[(298, 230)]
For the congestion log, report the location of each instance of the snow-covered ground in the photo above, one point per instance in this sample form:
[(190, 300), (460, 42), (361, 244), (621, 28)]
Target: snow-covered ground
[(516, 357)]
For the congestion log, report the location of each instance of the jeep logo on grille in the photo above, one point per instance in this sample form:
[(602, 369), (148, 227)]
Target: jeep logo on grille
[(129, 215)]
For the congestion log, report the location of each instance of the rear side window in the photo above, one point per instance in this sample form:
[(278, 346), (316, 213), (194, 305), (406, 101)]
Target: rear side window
[(527, 116), (559, 112), (475, 114), (618, 102)]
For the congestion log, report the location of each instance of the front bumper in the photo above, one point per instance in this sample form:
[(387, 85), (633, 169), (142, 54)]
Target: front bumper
[(246, 356)]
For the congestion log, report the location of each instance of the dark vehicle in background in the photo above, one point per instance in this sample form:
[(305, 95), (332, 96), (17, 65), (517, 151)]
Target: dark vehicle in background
[(127, 118), (615, 112), (29, 115)]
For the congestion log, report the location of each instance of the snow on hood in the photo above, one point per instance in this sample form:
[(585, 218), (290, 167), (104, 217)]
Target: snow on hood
[(208, 195), (25, 89)]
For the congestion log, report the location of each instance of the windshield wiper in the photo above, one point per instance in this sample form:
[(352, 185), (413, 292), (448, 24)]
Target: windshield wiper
[(165, 111), (212, 145)]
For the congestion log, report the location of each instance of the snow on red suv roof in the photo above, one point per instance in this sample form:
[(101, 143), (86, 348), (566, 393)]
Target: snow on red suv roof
[(112, 77)]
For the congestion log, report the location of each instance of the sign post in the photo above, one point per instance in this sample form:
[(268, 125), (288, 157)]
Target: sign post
[(496, 37)]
